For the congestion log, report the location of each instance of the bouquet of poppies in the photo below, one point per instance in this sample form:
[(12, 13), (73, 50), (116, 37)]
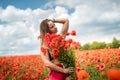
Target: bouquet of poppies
[(62, 49)]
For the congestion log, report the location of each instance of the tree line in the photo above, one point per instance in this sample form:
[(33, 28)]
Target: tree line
[(101, 45)]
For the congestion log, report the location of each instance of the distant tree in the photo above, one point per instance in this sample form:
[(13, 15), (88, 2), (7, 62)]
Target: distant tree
[(115, 43), (108, 45), (101, 45), (86, 46), (95, 45)]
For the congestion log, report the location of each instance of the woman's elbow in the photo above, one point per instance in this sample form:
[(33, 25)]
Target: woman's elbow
[(67, 20)]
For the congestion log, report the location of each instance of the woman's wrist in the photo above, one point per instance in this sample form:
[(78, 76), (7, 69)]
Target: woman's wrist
[(65, 71)]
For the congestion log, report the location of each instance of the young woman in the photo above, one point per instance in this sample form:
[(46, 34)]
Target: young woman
[(58, 72)]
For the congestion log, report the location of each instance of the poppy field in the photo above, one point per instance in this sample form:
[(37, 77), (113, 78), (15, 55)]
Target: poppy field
[(100, 64)]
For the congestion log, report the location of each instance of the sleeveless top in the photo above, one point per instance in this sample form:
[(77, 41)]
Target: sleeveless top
[(50, 57)]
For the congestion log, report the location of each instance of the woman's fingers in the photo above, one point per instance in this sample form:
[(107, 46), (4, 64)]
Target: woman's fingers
[(51, 20), (71, 69)]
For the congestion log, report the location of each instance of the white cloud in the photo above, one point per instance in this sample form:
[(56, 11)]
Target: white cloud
[(59, 12), (83, 14), (69, 3), (111, 16)]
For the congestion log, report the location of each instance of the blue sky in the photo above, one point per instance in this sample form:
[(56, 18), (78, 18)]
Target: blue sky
[(19, 22), (23, 4)]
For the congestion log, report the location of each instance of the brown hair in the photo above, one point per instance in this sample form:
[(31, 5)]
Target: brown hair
[(44, 28)]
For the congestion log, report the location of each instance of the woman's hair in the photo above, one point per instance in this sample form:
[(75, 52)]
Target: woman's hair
[(44, 28)]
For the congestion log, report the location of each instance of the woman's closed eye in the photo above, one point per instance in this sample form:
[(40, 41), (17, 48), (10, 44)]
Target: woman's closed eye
[(53, 26)]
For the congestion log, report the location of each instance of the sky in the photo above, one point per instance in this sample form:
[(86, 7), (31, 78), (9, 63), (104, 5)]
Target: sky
[(93, 20)]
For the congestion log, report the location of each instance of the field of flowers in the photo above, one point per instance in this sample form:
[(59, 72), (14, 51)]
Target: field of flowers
[(101, 64)]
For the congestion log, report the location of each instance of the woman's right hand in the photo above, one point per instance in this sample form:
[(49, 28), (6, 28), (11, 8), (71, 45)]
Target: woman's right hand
[(53, 20), (69, 70)]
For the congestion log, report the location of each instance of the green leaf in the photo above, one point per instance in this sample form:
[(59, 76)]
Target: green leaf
[(45, 72), (10, 76), (118, 65), (33, 71)]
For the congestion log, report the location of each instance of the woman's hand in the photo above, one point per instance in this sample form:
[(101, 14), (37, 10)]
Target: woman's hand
[(53, 20), (69, 70)]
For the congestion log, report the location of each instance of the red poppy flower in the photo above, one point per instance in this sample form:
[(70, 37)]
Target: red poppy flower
[(97, 67), (55, 52), (53, 36), (39, 37), (73, 33), (47, 37), (62, 43), (76, 45), (70, 41), (67, 33), (83, 75), (66, 47), (102, 66), (102, 73), (113, 74), (88, 65), (60, 37), (43, 50)]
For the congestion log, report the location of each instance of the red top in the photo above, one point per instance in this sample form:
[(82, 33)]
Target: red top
[(54, 75)]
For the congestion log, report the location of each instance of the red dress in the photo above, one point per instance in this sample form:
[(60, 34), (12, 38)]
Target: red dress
[(54, 75)]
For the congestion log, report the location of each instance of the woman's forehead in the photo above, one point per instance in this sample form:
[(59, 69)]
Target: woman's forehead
[(50, 23)]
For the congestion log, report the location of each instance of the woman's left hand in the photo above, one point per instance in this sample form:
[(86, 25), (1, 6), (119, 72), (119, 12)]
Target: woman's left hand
[(71, 70)]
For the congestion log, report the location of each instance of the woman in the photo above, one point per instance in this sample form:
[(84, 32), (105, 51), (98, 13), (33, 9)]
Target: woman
[(58, 72)]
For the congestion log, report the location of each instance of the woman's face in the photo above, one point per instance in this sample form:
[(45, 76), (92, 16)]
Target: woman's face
[(52, 27)]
